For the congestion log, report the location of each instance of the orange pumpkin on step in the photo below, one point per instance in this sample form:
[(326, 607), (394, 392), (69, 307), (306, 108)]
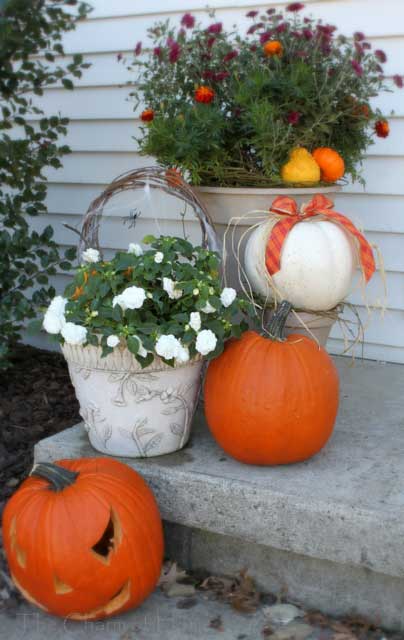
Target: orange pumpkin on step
[(332, 165), (83, 538), (272, 401)]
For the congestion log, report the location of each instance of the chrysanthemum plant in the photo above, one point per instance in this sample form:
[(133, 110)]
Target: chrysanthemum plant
[(227, 109), (165, 299)]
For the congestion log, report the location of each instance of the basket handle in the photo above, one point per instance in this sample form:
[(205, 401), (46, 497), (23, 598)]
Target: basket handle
[(156, 177)]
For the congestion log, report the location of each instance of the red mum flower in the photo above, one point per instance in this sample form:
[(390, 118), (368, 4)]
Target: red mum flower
[(281, 27), (295, 6), (215, 28), (208, 74), (293, 117), (252, 14), (255, 27), (158, 52), (380, 55), (308, 34), (398, 81), (175, 52), (188, 21), (264, 37), (138, 49), (359, 35), (222, 75), (271, 12), (230, 56), (147, 115), (210, 42), (358, 69), (204, 94), (253, 47), (382, 128)]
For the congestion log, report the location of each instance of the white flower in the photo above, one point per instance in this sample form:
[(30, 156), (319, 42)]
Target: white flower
[(228, 296), (195, 321), (91, 255), (169, 287), (130, 298), (183, 355), (57, 306), (135, 248), (159, 257), (53, 323), (208, 308), (206, 342), (168, 347), (113, 341), (74, 334), (195, 292), (54, 318)]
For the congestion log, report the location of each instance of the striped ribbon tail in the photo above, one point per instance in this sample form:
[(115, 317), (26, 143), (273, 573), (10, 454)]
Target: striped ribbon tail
[(275, 243), (367, 259)]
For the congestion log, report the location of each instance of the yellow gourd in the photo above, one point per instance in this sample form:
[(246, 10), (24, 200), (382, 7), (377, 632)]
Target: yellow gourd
[(301, 167)]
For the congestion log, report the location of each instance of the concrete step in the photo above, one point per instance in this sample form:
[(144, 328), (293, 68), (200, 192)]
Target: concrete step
[(329, 530)]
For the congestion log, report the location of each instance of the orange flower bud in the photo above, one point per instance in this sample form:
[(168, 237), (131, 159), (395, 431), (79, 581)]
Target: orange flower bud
[(382, 128), (273, 48), (147, 115), (204, 94), (77, 293)]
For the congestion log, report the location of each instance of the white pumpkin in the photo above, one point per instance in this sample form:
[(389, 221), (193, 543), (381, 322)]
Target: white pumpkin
[(317, 266)]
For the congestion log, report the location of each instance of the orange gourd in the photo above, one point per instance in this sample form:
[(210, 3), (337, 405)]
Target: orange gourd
[(272, 401), (331, 164), (83, 538)]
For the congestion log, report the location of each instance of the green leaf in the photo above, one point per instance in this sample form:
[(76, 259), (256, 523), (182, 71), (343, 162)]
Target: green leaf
[(133, 344)]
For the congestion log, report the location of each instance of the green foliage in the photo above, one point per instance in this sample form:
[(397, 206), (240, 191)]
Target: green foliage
[(192, 272), (29, 28), (316, 93)]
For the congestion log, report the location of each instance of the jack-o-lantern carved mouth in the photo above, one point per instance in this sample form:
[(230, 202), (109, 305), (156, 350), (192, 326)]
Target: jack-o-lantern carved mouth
[(113, 605)]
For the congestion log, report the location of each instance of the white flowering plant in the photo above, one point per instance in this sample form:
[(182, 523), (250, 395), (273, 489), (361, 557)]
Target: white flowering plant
[(163, 299)]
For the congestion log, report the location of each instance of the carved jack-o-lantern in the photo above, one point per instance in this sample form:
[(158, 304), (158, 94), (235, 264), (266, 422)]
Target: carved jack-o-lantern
[(84, 538)]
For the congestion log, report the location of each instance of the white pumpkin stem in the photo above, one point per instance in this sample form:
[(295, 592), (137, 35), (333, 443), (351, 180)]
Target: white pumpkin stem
[(276, 324)]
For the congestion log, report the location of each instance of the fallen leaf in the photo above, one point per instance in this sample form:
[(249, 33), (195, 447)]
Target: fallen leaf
[(216, 623), (170, 575), (186, 603)]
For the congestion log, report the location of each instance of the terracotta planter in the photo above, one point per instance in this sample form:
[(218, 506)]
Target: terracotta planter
[(320, 326), (129, 411)]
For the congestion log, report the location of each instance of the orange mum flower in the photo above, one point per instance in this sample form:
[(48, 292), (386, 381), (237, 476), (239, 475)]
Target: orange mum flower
[(147, 115), (77, 293), (128, 272), (204, 94), (382, 128), (273, 48)]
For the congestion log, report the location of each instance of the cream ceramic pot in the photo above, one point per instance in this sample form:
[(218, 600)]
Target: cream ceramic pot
[(129, 411)]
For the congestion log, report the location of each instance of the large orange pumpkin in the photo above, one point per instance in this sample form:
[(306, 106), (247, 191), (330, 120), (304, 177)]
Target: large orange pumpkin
[(84, 538), (332, 165), (272, 401)]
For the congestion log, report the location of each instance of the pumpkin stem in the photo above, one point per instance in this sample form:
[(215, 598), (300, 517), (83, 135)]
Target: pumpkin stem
[(58, 477), (276, 324)]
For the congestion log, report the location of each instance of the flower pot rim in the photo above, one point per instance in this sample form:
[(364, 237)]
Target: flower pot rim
[(121, 359), (270, 191)]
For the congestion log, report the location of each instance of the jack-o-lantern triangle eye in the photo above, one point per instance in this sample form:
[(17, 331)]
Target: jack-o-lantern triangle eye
[(19, 553), (110, 539)]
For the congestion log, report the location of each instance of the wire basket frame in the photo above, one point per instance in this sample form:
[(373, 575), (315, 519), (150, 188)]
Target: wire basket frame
[(155, 177)]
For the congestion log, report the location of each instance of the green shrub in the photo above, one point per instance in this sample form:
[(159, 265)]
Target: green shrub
[(28, 29)]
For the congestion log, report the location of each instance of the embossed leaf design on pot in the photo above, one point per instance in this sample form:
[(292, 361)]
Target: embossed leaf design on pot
[(129, 383), (94, 422), (177, 429)]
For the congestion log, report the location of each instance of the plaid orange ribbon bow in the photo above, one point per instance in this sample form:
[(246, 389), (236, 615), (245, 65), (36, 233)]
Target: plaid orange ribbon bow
[(319, 205)]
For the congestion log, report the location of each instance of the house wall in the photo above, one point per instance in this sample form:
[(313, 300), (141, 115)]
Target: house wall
[(103, 124)]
